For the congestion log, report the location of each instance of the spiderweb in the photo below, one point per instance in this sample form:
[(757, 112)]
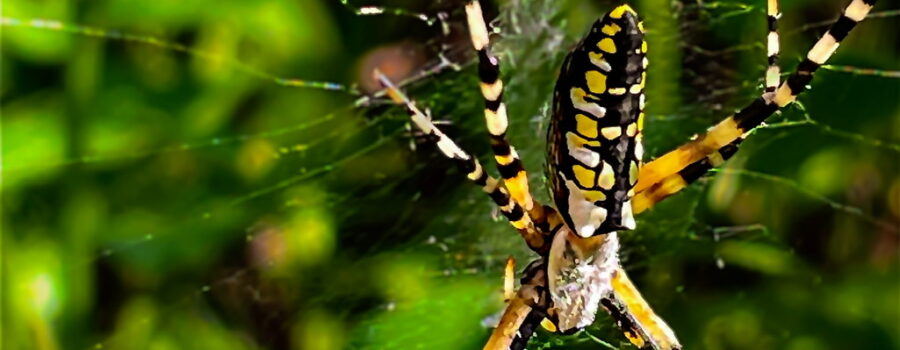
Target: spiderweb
[(163, 186)]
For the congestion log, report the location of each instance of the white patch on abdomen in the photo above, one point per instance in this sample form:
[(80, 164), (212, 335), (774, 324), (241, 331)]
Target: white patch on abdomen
[(586, 217)]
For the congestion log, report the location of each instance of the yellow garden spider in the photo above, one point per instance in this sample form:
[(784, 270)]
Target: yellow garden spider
[(597, 178)]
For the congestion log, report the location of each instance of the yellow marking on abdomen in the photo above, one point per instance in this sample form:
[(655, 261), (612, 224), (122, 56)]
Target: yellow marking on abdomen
[(596, 81), (631, 130), (607, 177), (586, 126), (607, 44), (611, 29), (611, 132), (633, 173), (578, 141), (594, 196), (617, 91), (638, 148), (598, 60), (577, 96), (618, 12), (584, 176), (580, 153)]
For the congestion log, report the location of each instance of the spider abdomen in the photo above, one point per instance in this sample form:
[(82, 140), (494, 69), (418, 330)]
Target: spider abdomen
[(594, 136)]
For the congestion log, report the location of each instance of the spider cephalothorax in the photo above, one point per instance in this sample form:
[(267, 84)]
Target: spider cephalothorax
[(598, 181)]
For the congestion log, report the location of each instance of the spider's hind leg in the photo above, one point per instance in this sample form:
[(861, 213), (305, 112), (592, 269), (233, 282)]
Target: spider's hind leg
[(635, 317)]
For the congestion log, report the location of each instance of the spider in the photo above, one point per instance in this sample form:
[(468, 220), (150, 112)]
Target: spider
[(597, 179)]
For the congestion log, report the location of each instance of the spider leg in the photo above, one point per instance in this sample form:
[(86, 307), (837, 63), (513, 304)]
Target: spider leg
[(525, 312), (673, 171), (773, 72), (509, 279), (635, 317), (518, 323), (508, 162), (470, 165)]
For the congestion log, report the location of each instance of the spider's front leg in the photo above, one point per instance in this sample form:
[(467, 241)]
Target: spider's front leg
[(471, 166), (508, 162), (675, 170)]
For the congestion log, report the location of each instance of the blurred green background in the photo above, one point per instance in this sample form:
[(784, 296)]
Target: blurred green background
[(159, 199)]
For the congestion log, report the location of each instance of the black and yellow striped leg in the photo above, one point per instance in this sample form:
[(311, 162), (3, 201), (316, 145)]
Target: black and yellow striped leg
[(773, 72), (673, 171), (822, 51), (508, 162), (471, 166)]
